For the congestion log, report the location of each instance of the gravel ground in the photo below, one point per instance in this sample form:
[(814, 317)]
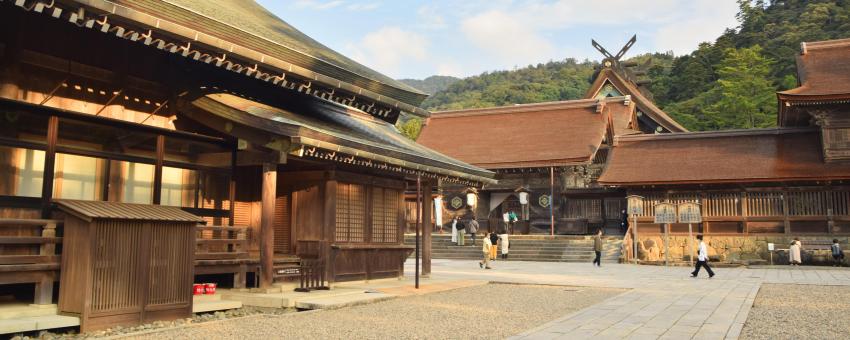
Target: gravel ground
[(492, 311), (783, 311)]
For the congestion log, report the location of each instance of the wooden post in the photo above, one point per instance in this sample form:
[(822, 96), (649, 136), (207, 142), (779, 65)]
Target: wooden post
[(785, 213), (231, 194), (267, 225), (418, 227), (552, 199), (328, 256), (157, 174), (49, 166), (44, 288), (427, 205)]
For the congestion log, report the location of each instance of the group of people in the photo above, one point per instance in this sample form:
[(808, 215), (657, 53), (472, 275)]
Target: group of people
[(796, 247), (491, 242)]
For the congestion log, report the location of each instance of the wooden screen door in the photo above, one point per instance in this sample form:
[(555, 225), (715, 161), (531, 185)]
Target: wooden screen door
[(282, 225)]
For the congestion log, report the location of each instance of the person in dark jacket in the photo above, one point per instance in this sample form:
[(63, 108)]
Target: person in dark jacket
[(597, 248), (837, 253), (472, 228)]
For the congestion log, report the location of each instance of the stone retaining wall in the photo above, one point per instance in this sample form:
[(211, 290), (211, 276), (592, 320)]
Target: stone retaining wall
[(738, 249)]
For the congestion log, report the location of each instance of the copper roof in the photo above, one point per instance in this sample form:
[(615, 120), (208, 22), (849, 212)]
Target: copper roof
[(90, 210), (245, 29), (643, 103), (823, 70), (331, 126), (529, 135), (759, 155)]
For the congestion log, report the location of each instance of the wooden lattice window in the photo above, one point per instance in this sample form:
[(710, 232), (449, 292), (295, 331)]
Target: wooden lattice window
[(350, 212), (385, 210), (722, 204), (584, 208)]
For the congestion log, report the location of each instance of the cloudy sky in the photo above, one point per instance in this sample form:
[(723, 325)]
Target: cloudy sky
[(416, 39)]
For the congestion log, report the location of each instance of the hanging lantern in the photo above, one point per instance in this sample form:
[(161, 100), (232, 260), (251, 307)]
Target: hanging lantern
[(523, 193), (471, 197)]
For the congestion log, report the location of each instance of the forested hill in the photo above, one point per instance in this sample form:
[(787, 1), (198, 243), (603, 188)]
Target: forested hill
[(432, 84), (725, 84)]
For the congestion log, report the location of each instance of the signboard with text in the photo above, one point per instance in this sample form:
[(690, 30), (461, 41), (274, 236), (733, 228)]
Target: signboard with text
[(665, 213), (689, 212), (635, 205)]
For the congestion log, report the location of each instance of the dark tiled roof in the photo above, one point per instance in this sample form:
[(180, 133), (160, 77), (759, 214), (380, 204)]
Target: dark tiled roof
[(530, 135), (823, 70), (773, 155), (325, 124), (644, 104), (125, 211), (246, 23)]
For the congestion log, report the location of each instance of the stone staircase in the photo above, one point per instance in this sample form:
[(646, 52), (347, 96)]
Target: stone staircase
[(529, 248)]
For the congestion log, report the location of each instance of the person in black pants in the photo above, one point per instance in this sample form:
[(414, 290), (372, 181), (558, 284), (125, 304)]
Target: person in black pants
[(702, 259), (597, 248)]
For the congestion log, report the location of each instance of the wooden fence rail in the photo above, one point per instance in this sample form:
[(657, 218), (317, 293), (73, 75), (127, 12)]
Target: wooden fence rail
[(28, 254)]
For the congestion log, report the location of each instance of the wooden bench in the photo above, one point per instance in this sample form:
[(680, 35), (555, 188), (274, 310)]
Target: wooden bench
[(222, 250), (39, 264)]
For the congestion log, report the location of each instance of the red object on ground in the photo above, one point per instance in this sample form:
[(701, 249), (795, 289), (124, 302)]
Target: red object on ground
[(197, 289), (210, 288)]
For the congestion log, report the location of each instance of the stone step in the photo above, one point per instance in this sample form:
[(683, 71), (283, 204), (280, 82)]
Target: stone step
[(214, 305), (37, 323), (19, 310)]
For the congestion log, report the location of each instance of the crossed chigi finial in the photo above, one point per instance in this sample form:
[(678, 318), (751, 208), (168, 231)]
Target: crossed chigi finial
[(616, 58)]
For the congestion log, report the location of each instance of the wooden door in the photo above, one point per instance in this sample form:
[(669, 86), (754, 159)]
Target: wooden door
[(282, 226)]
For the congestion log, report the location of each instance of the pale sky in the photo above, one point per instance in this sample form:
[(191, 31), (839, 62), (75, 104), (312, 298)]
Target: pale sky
[(417, 39)]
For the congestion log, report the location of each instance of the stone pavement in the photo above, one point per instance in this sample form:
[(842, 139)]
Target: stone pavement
[(662, 302)]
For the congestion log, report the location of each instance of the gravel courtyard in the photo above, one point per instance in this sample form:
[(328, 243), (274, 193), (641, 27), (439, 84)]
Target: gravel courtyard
[(492, 311), (788, 311)]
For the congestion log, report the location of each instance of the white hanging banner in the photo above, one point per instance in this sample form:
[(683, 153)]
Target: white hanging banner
[(438, 212)]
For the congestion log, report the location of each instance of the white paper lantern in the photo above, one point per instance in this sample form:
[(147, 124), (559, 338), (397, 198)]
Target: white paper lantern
[(523, 197), (471, 199)]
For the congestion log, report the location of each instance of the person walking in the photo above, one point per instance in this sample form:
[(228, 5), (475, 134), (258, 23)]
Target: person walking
[(837, 253), (485, 249), (794, 252), (454, 229), (472, 228), (506, 245), (461, 230), (597, 248), (494, 241), (702, 259)]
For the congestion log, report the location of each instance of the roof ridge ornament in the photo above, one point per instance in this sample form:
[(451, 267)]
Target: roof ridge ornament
[(612, 60)]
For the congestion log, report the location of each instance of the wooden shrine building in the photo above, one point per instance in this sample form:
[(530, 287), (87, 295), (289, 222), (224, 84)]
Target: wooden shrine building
[(285, 148), (555, 150), (789, 180)]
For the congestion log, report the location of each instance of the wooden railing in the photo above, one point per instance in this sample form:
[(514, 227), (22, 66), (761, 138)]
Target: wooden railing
[(30, 256), (312, 276), (221, 243)]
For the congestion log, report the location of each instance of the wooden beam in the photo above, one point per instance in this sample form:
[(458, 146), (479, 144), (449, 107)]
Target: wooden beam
[(49, 166), (267, 225), (157, 174)]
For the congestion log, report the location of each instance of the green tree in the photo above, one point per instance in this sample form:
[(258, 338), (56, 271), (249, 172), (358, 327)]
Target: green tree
[(409, 127), (746, 95)]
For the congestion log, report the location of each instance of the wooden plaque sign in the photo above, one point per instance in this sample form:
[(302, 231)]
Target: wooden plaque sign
[(689, 212), (635, 205), (665, 213)]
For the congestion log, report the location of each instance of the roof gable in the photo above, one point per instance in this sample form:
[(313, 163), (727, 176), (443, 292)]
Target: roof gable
[(644, 104)]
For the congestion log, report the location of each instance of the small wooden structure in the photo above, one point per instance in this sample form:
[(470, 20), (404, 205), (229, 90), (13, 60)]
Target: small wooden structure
[(126, 264)]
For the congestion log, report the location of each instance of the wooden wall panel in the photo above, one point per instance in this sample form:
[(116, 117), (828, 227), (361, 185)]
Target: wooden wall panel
[(282, 226), (308, 210)]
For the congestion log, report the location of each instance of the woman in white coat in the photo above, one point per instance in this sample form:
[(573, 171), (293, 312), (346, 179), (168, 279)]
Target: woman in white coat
[(504, 243), (794, 252), (454, 229)]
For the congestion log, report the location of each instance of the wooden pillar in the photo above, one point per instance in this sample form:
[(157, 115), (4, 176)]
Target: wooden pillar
[(427, 206), (49, 166), (267, 225), (785, 213), (231, 192), (157, 173), (329, 232)]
